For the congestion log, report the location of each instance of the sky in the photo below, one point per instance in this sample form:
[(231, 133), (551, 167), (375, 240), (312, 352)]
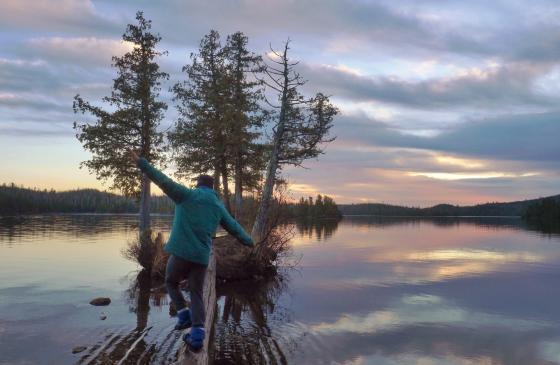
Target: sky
[(440, 101)]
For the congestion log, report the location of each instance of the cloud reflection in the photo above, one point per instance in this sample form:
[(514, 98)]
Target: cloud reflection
[(422, 310)]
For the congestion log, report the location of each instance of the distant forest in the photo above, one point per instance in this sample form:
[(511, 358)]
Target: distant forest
[(19, 200), (544, 211), (517, 208)]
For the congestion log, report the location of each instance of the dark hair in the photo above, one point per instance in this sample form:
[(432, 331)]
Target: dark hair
[(205, 180)]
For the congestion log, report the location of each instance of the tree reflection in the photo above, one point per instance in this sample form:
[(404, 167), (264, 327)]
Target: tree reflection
[(64, 226), (546, 227), (321, 229), (243, 330), (492, 223), (133, 347)]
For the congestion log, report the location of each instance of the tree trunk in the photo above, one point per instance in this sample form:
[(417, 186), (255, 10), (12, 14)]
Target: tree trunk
[(260, 226), (261, 220), (217, 180), (146, 252), (225, 184), (144, 222), (146, 145), (238, 185)]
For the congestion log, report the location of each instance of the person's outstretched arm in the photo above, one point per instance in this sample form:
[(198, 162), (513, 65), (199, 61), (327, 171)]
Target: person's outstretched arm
[(175, 191), (234, 228)]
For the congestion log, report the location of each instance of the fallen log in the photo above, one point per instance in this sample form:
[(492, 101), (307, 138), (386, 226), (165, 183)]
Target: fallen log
[(185, 356)]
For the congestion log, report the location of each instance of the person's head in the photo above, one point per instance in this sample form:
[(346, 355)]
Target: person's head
[(205, 180)]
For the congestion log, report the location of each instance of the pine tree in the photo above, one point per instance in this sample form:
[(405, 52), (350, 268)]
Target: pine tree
[(302, 126), (134, 119), (319, 206), (199, 140), (245, 115)]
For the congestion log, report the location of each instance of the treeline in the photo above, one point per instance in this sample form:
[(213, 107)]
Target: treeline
[(16, 200), (544, 211), (517, 208), (19, 200), (322, 207)]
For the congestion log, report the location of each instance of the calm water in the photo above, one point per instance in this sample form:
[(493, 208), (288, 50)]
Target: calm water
[(365, 291)]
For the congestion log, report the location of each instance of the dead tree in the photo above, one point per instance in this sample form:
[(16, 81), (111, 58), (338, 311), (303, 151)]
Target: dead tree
[(302, 127)]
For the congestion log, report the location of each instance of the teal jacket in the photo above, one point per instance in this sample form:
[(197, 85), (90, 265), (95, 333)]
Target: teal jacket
[(197, 215)]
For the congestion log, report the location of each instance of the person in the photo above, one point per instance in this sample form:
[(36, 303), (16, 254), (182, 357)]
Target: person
[(198, 212)]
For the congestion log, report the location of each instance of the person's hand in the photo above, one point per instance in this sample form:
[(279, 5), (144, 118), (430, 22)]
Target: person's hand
[(133, 156)]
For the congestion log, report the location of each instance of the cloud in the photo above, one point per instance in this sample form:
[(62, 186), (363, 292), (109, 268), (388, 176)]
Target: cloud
[(508, 85), (383, 28), (371, 161), (17, 75), (82, 51), (469, 175), (30, 102), (318, 19), (35, 132), (74, 16), (527, 137), (421, 309)]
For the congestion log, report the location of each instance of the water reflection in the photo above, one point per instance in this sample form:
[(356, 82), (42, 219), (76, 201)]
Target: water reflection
[(547, 227), (15, 229), (137, 346), (246, 312), (409, 291), (320, 229), (367, 291), (496, 223)]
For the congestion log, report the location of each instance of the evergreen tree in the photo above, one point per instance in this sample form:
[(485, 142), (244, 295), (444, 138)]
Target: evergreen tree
[(199, 140), (302, 208), (319, 207), (544, 210), (324, 207), (133, 123), (245, 115), (302, 126)]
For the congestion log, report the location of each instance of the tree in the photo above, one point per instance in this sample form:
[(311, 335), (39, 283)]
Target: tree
[(199, 138), (302, 209), (301, 127), (544, 210), (245, 115), (133, 123), (319, 206)]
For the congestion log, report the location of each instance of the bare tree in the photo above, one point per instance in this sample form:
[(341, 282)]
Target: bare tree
[(302, 126)]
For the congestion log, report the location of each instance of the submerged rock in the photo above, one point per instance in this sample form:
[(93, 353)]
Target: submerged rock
[(102, 316), (78, 349), (100, 301)]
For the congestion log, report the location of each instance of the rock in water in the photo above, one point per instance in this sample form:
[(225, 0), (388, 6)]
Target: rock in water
[(78, 349), (100, 301), (102, 316)]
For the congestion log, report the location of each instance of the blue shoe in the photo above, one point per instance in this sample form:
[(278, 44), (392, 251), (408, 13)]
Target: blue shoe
[(195, 339), (183, 319)]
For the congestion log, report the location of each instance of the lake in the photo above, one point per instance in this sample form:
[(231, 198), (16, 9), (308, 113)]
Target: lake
[(364, 290)]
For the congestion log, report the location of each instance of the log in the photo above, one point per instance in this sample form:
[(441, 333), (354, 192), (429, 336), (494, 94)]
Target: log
[(185, 356)]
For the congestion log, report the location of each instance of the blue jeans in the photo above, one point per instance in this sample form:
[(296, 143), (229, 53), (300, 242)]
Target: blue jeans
[(178, 269)]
